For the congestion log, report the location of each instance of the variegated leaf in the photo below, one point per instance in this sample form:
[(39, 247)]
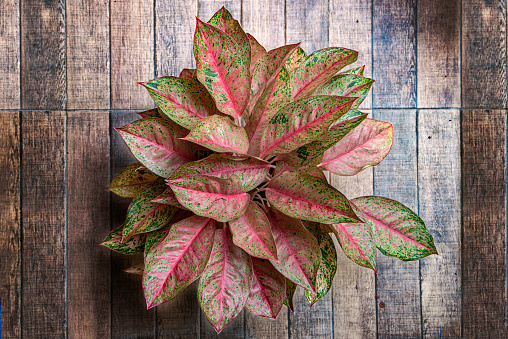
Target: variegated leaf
[(268, 290), (295, 59), (184, 101), (297, 249), (188, 73), (251, 171), (318, 68), (253, 234), (225, 284), (302, 122), (318, 227), (256, 51), (152, 113), (113, 241), (224, 21), (131, 181), (221, 69), (138, 269), (316, 172), (365, 146), (208, 196), (219, 134), (143, 215), (290, 292), (303, 196), (178, 260), (357, 243), (398, 231), (168, 198), (154, 142), (357, 71), (347, 85)]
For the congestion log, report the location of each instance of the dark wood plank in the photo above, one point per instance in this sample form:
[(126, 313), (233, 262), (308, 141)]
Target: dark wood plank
[(132, 53), (9, 55), (88, 264), (398, 283), (439, 53), (10, 228), (43, 224), (264, 19), (43, 54), (88, 59), (484, 54), (307, 21), (394, 53), (439, 197), (311, 322), (484, 224), (129, 317)]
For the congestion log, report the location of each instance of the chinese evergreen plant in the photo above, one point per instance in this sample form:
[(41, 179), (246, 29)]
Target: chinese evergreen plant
[(229, 186)]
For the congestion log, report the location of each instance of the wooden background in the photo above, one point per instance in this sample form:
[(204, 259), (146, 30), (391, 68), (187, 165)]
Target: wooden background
[(67, 76)]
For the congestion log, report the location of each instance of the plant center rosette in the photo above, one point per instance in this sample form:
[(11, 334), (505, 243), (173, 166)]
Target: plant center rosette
[(230, 188)]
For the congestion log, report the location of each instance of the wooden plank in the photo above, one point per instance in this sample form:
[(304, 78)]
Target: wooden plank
[(129, 317), (354, 287), (43, 75), (351, 27), (484, 54), (439, 197), (264, 19), (88, 264), (88, 59), (438, 53), (398, 283), (484, 222), (307, 21), (9, 55), (10, 228), (394, 54), (43, 224), (235, 330), (311, 322), (132, 53)]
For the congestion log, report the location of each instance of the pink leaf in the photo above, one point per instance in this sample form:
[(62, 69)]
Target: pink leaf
[(132, 180), (295, 59), (357, 243), (347, 85), (257, 51), (225, 284), (189, 74), (290, 292), (168, 198)]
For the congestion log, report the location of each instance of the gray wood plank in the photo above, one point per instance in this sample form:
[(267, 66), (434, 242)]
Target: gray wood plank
[(264, 19), (307, 22), (10, 55)]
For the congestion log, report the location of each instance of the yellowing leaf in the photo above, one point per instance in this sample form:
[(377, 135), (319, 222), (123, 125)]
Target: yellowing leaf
[(132, 180)]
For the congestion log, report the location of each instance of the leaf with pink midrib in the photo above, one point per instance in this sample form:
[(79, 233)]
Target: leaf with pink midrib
[(357, 243), (257, 51), (168, 198)]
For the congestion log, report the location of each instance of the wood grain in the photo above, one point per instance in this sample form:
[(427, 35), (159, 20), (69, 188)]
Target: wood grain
[(132, 53), (484, 223), (439, 197), (398, 283), (43, 224), (43, 75), (439, 53), (484, 54), (88, 264), (264, 19), (307, 21), (9, 55), (88, 59), (235, 329), (311, 322), (129, 316), (10, 227), (394, 54)]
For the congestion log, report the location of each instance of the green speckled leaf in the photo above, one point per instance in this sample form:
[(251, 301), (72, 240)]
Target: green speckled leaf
[(290, 292), (225, 284), (208, 196), (302, 122), (221, 69), (268, 290), (184, 101), (318, 68), (357, 243), (153, 113), (155, 143), (178, 260), (219, 134), (398, 231), (297, 249), (347, 85), (168, 198), (318, 227), (357, 71), (295, 59), (113, 241), (316, 172), (253, 234), (303, 196), (138, 269), (365, 146), (131, 181), (189, 74), (257, 51), (143, 215)]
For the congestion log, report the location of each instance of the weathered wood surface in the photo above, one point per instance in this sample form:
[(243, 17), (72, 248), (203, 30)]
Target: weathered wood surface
[(68, 73)]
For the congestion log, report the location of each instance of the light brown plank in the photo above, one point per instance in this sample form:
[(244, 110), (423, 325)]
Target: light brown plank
[(398, 283), (10, 228), (264, 19), (43, 225), (439, 53), (9, 55), (88, 59), (439, 197), (132, 53), (88, 264), (307, 21), (484, 224)]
